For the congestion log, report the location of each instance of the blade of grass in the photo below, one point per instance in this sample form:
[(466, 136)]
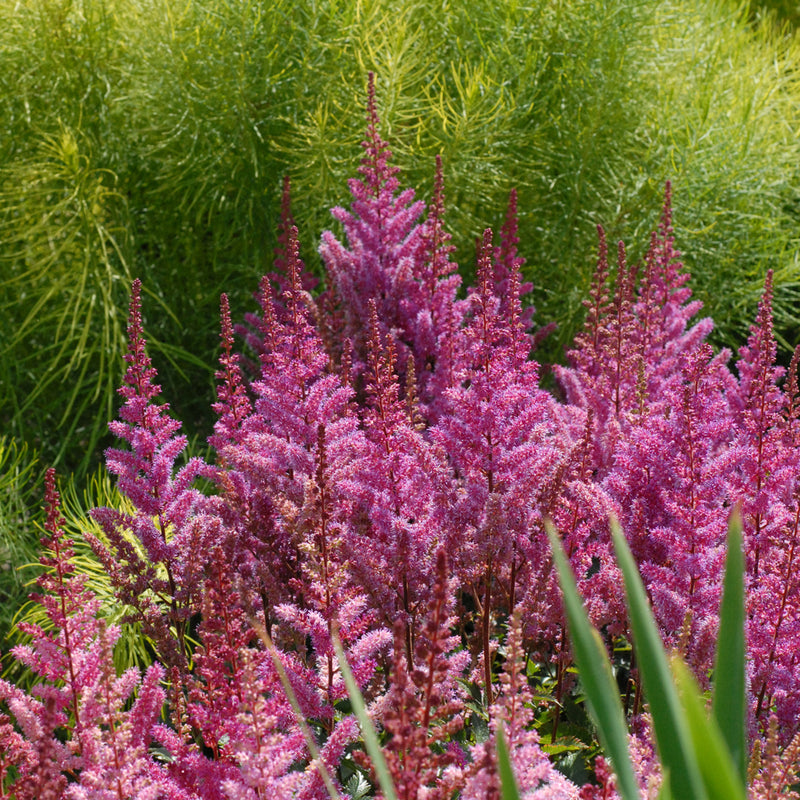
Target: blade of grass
[(508, 783), (716, 765), (290, 693), (367, 728), (729, 706), (602, 693), (670, 725)]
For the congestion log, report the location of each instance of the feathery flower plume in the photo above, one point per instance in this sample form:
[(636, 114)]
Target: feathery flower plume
[(384, 240), (168, 530), (77, 735)]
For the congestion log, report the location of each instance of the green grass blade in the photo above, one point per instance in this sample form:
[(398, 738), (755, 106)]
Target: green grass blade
[(602, 693), (716, 765), (367, 728), (664, 793), (670, 725), (729, 706), (508, 783), (301, 720)]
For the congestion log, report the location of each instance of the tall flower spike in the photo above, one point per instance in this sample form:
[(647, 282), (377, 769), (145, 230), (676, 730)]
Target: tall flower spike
[(273, 466), (79, 721), (497, 428), (286, 254), (400, 488), (664, 309), (379, 174), (384, 240), (426, 704), (668, 483), (764, 464), (232, 406), (167, 521), (57, 656), (757, 409), (535, 775), (631, 347), (507, 262), (430, 312)]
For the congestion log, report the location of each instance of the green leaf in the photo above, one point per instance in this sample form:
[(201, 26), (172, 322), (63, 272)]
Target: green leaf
[(602, 693), (670, 725), (729, 705), (710, 747), (508, 783), (664, 792), (367, 728)]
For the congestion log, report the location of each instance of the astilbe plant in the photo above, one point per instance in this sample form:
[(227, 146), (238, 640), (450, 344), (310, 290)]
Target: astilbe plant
[(498, 432), (382, 478), (77, 734), (536, 777), (669, 485), (765, 460), (384, 243), (154, 556), (425, 704)]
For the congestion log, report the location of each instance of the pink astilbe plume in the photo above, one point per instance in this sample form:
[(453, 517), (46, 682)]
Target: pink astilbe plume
[(506, 261), (500, 436), (400, 489), (115, 739), (330, 601), (430, 313), (603, 371), (77, 735), (773, 771), (168, 530), (776, 598), (664, 309), (286, 262), (765, 463), (57, 657), (759, 449), (537, 778), (384, 242), (633, 338), (272, 462), (669, 484), (233, 404), (580, 509), (236, 707)]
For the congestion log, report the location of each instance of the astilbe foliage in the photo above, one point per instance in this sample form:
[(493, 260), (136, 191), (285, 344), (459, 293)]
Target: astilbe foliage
[(383, 474)]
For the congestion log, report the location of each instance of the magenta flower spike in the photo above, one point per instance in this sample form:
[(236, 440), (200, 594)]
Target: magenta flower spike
[(79, 719), (168, 521), (384, 245)]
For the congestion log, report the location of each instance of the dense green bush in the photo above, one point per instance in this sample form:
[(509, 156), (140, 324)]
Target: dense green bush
[(150, 139), (20, 491)]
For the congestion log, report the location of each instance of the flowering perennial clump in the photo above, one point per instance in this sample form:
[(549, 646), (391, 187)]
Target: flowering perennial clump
[(385, 461)]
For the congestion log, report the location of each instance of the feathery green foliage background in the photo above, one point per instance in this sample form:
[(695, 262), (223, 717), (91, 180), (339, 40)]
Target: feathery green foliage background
[(149, 139)]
